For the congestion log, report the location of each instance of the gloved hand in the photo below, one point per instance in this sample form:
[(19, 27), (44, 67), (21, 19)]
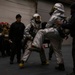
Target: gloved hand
[(10, 41), (30, 37)]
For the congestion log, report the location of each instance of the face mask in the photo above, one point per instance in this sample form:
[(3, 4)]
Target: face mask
[(38, 22), (52, 11)]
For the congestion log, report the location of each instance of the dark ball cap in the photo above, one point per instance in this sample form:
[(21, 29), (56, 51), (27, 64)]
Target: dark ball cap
[(72, 6), (18, 16)]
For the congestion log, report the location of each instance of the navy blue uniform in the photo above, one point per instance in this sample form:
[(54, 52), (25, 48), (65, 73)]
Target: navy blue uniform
[(16, 35)]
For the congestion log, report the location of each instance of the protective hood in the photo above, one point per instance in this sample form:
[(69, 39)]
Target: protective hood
[(58, 13), (59, 7)]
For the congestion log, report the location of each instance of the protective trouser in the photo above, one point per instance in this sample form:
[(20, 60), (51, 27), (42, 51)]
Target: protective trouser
[(53, 35), (28, 52), (51, 51)]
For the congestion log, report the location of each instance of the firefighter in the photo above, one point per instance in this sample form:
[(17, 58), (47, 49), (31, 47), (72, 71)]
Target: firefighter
[(53, 34), (31, 30)]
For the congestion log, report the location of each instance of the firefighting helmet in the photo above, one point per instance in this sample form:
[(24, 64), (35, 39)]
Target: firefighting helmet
[(59, 7), (36, 18), (36, 15)]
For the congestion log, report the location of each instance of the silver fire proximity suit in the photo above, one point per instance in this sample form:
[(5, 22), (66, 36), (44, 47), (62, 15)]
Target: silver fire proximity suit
[(51, 32), (30, 32)]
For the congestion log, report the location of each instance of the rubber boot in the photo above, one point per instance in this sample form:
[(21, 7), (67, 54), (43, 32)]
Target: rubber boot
[(60, 67), (21, 65)]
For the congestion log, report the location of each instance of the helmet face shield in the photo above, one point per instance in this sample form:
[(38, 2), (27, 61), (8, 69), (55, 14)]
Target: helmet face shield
[(37, 18), (52, 11)]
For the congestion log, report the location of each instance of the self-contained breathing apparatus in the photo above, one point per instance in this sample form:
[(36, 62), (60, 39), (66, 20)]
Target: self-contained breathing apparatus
[(63, 32)]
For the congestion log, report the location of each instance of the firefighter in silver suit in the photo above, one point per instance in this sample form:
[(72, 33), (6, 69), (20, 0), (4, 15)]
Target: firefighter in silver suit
[(30, 32), (52, 32)]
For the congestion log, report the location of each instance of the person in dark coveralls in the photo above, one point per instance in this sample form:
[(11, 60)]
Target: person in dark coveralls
[(71, 27), (15, 37)]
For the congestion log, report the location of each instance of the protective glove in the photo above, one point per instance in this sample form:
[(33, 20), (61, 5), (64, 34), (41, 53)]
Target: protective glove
[(30, 37)]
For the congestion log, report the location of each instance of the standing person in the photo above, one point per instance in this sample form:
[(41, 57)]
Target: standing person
[(51, 51), (53, 34), (15, 37), (71, 26), (31, 30)]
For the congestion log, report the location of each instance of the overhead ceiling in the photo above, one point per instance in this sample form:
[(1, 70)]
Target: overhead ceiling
[(64, 1), (67, 1)]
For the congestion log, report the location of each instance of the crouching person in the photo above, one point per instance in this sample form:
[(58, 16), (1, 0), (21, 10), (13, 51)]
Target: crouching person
[(53, 34), (31, 31)]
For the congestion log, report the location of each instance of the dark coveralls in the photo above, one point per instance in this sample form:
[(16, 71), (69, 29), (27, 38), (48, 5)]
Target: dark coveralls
[(16, 35), (71, 27)]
